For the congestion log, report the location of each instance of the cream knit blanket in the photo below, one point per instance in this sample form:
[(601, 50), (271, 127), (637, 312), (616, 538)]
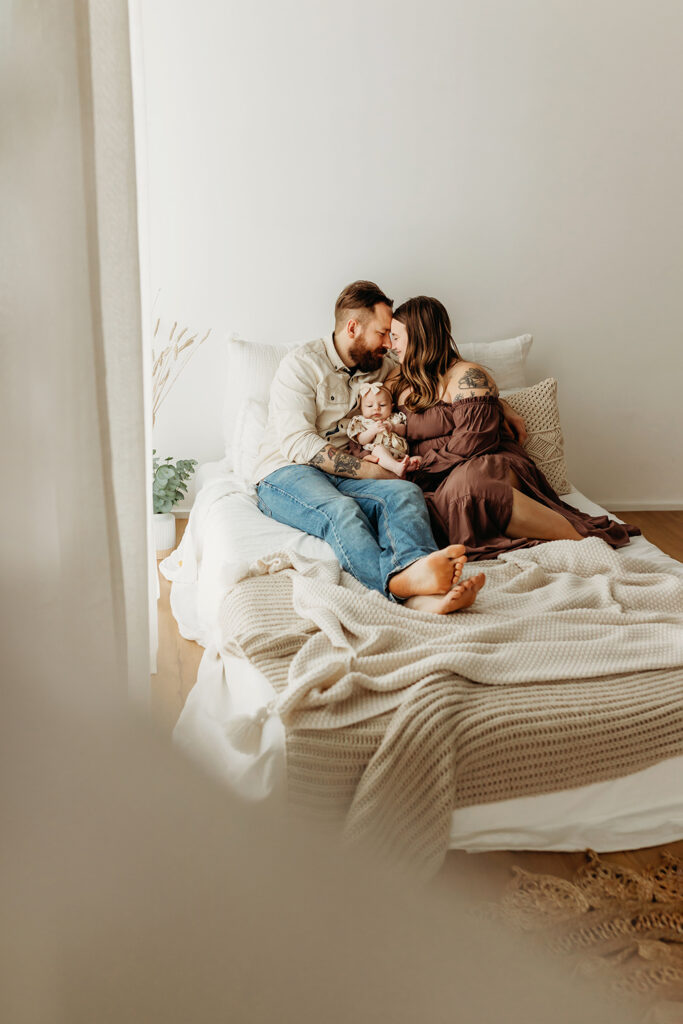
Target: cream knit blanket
[(574, 613)]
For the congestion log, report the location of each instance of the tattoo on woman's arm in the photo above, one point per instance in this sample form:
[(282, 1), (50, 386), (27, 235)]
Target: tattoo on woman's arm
[(475, 378)]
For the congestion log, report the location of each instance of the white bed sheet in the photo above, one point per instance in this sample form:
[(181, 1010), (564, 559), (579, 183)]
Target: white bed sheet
[(225, 530)]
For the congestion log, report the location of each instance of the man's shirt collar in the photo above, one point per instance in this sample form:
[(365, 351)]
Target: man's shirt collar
[(333, 355)]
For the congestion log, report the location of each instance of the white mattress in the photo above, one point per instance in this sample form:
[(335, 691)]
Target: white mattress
[(225, 529)]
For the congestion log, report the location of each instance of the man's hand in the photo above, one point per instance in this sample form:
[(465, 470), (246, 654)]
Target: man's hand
[(340, 462), (514, 424)]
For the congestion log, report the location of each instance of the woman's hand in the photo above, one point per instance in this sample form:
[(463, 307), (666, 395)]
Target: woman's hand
[(513, 423)]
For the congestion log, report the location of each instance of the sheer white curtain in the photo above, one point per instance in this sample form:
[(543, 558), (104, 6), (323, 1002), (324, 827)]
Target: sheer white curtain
[(75, 553), (127, 360)]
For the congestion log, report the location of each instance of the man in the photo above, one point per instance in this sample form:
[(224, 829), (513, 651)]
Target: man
[(377, 525)]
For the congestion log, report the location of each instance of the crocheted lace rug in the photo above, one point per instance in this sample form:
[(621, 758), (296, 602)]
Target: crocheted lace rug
[(615, 924)]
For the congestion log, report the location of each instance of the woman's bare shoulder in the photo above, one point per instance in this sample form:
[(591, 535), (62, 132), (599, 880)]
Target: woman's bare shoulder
[(467, 380)]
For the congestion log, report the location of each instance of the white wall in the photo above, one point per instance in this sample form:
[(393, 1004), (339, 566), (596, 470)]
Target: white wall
[(522, 161)]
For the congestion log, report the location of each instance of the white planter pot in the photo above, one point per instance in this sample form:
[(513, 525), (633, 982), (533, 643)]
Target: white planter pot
[(164, 532)]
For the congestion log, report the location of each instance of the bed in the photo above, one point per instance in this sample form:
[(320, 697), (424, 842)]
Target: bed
[(227, 533)]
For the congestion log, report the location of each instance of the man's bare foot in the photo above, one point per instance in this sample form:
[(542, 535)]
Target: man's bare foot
[(432, 574), (461, 596), (457, 568)]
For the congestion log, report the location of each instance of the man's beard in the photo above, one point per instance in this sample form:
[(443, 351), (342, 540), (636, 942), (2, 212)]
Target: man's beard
[(364, 359)]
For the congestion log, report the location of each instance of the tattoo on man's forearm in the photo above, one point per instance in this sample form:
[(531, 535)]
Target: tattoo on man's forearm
[(475, 379), (345, 464)]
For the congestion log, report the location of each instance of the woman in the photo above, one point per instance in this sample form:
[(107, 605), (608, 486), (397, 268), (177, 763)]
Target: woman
[(481, 488)]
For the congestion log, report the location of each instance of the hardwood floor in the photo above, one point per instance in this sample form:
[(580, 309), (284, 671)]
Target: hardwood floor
[(665, 529), (178, 661)]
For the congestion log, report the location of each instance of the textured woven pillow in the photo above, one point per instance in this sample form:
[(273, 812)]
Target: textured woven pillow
[(545, 444)]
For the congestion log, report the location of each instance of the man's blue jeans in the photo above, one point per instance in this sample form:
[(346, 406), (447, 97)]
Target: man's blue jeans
[(375, 527)]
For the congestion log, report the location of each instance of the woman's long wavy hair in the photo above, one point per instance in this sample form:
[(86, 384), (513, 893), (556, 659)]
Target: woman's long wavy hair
[(430, 352)]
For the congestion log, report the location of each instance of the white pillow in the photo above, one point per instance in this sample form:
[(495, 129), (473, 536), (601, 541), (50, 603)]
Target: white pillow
[(249, 428), (252, 366), (505, 359), (250, 371)]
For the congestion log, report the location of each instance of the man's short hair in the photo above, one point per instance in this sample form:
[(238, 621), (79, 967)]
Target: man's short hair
[(359, 297)]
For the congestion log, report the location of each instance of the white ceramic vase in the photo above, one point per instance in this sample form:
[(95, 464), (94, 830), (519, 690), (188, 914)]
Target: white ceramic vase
[(164, 532)]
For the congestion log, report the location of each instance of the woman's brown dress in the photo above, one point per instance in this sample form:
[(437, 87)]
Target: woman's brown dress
[(464, 476)]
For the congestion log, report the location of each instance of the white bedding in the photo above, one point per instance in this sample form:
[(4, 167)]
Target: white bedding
[(225, 530)]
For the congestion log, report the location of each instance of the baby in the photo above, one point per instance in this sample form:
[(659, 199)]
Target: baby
[(378, 434)]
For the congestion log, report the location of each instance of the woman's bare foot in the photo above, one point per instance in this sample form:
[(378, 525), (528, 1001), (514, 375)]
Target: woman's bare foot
[(461, 596), (432, 574)]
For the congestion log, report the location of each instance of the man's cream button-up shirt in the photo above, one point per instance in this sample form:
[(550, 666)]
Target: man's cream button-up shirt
[(311, 400)]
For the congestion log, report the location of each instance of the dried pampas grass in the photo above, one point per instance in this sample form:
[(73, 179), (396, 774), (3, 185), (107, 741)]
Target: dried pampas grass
[(171, 361)]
